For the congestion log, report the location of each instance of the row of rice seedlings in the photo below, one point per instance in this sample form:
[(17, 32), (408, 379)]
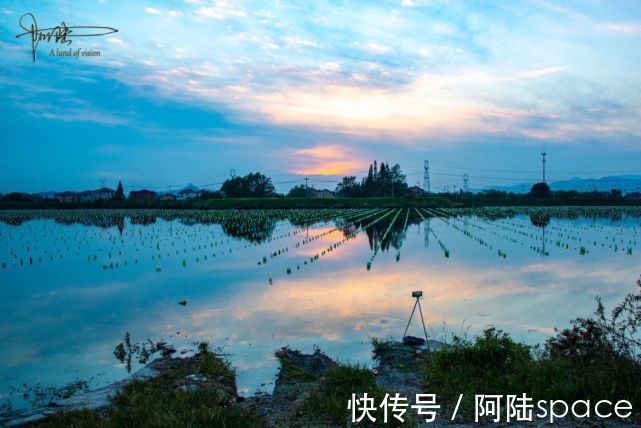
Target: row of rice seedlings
[(152, 235), (342, 241), (378, 245), (576, 236), (446, 252), (351, 218), (440, 215)]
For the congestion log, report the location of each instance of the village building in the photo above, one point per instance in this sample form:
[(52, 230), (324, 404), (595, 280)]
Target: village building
[(415, 192), (66, 197), (142, 195)]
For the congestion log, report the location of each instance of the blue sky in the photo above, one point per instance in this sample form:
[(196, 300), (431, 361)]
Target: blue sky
[(189, 89)]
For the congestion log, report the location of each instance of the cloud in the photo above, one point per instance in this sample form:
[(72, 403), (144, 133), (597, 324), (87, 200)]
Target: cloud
[(542, 71), (632, 29), (71, 111), (430, 104), (220, 9), (238, 88), (297, 42), (374, 48), (152, 11), (328, 159)]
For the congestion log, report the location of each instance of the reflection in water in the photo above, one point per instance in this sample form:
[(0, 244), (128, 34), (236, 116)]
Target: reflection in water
[(75, 281)]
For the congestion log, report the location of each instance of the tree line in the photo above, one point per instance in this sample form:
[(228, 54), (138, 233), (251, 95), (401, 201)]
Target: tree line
[(380, 181)]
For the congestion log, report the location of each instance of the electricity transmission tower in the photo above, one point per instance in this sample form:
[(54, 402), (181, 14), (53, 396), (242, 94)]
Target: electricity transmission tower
[(466, 179), (232, 173), (543, 154), (426, 232), (426, 177)]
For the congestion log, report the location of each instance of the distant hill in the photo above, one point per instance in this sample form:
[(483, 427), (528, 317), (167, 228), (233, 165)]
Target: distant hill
[(190, 187), (626, 182)]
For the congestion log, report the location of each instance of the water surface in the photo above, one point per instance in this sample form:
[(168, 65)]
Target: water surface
[(73, 282)]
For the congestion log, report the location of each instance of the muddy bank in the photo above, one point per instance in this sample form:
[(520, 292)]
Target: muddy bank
[(299, 376), (310, 390)]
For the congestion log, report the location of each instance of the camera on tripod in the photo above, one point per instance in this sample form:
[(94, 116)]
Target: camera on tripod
[(407, 339)]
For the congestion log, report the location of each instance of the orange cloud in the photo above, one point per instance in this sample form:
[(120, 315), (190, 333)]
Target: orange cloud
[(432, 104), (326, 160)]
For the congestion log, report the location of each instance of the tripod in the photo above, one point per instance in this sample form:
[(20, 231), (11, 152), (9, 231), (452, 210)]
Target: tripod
[(418, 295)]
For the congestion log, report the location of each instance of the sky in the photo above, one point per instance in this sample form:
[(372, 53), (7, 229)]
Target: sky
[(188, 90)]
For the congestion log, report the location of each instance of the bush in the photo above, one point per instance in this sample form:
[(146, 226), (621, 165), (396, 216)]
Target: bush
[(597, 358), (329, 402), (540, 190)]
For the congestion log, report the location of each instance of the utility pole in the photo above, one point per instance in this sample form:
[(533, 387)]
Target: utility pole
[(426, 177), (306, 191), (466, 179), (543, 154)]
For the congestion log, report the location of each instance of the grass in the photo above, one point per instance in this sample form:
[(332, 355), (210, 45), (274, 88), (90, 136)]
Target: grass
[(293, 373), (159, 403), (214, 367), (381, 345), (328, 403), (565, 370)]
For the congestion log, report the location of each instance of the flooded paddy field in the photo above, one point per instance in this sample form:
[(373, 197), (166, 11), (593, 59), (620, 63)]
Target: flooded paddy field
[(73, 282)]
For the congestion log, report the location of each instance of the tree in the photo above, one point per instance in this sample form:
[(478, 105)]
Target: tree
[(17, 197), (348, 188), (615, 194), (368, 186), (299, 191), (541, 190), (208, 194), (383, 182), (253, 185), (120, 193), (399, 180)]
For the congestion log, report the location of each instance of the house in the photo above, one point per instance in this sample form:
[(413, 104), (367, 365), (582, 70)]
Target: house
[(44, 195), (187, 194), (415, 192), (66, 197), (142, 195), (105, 193), (87, 196)]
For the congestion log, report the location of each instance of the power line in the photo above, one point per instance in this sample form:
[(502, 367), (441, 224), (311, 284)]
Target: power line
[(479, 176), (524, 171)]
